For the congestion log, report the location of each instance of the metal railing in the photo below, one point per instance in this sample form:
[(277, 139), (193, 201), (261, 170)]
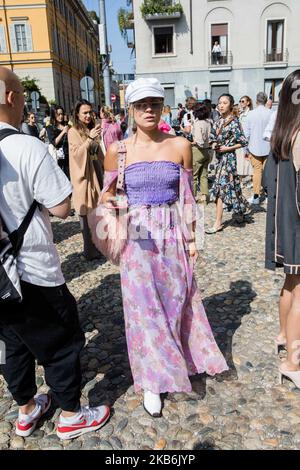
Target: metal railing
[(216, 59), (276, 56)]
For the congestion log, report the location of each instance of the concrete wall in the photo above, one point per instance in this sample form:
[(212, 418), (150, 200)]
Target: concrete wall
[(189, 69), (43, 75)]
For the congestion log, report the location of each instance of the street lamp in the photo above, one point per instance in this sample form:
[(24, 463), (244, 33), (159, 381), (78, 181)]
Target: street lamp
[(105, 61)]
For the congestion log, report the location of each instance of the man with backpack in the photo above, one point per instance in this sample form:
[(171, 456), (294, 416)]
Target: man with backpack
[(44, 326)]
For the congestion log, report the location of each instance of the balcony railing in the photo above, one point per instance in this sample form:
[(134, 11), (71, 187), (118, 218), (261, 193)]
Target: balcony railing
[(220, 59), (275, 56), (163, 16)]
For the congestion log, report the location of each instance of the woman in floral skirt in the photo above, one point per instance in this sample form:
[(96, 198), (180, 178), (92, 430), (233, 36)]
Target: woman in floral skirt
[(226, 137), (168, 334)]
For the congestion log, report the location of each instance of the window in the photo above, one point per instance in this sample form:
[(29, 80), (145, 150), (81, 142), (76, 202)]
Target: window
[(60, 6), (21, 37), (2, 40), (219, 43), (169, 95), (55, 40), (217, 89), (163, 40), (272, 88), (275, 35), (71, 18)]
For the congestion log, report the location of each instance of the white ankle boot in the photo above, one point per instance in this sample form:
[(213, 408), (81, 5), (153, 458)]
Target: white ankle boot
[(152, 404)]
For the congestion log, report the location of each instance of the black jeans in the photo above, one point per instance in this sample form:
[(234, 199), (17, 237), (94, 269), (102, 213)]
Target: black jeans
[(89, 250), (44, 327)]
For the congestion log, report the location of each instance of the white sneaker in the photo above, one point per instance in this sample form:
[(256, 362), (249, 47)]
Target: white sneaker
[(86, 420), (254, 200), (26, 424), (152, 404)]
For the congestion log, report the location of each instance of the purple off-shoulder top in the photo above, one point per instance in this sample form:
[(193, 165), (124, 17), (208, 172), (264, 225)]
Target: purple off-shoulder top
[(152, 183)]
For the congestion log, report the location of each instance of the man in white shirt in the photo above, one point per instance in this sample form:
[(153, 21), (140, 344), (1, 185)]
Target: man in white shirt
[(45, 325), (258, 148), (270, 127), (187, 121), (216, 53)]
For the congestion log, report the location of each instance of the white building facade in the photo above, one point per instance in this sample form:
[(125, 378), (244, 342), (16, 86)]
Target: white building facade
[(258, 39)]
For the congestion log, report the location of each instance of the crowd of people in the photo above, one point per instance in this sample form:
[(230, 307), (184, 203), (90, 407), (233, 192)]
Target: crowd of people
[(78, 143), (163, 178)]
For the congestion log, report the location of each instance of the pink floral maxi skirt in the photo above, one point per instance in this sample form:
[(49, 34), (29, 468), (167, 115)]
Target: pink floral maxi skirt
[(168, 334)]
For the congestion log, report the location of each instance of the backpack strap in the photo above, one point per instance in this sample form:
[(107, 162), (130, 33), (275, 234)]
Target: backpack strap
[(219, 130), (7, 132), (122, 151), (17, 236)]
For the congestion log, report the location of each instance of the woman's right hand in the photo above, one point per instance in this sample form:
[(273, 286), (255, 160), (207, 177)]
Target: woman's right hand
[(65, 129), (95, 132), (109, 198)]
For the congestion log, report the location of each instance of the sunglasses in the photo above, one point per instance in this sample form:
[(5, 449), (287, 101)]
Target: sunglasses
[(242, 101), (143, 106)]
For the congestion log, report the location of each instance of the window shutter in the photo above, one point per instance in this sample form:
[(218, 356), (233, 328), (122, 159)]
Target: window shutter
[(3, 48), (269, 45), (279, 38), (219, 29), (29, 37), (13, 40)]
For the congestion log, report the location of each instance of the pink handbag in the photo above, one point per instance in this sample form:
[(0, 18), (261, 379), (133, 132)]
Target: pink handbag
[(108, 223)]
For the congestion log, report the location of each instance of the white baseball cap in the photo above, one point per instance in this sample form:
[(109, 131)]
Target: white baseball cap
[(144, 88)]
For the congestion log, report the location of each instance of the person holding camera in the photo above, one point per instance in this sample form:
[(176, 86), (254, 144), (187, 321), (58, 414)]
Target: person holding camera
[(187, 120), (57, 133), (86, 169)]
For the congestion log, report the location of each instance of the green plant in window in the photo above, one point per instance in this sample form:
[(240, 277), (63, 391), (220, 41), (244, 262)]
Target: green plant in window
[(125, 19), (152, 7)]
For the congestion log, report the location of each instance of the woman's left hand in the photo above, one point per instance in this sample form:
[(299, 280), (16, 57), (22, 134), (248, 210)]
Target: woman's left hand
[(193, 252), (224, 149)]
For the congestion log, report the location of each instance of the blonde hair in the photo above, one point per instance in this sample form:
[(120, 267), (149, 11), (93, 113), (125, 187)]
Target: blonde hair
[(108, 113), (166, 109), (250, 105), (235, 110)]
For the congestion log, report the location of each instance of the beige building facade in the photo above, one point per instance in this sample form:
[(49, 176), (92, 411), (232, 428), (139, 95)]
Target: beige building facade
[(54, 41)]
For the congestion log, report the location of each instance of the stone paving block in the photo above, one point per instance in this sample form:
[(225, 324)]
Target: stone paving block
[(245, 408)]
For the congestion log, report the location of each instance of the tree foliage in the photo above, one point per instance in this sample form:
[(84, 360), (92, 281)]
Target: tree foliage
[(125, 18), (30, 85), (93, 15)]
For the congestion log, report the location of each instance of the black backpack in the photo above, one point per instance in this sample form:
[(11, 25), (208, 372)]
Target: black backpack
[(10, 245)]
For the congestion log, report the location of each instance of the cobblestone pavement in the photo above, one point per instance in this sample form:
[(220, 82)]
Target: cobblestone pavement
[(245, 408)]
